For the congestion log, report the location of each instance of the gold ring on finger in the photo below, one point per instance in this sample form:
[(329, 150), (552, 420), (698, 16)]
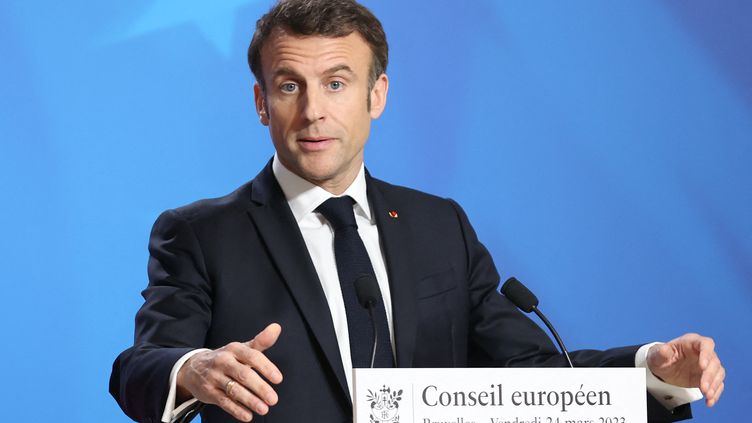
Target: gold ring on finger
[(229, 386)]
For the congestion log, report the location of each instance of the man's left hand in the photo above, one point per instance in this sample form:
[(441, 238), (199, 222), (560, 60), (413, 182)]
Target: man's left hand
[(689, 361)]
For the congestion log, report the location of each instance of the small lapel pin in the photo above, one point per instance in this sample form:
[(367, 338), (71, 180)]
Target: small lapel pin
[(393, 214)]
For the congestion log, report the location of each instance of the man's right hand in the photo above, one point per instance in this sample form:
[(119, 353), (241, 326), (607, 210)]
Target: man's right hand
[(231, 376)]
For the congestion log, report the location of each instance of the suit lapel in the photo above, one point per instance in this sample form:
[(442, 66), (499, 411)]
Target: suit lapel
[(280, 233), (395, 238)]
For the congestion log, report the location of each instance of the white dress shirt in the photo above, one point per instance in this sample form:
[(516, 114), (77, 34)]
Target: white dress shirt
[(303, 198)]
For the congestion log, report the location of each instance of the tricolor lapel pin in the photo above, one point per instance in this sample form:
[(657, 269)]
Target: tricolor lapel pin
[(393, 214)]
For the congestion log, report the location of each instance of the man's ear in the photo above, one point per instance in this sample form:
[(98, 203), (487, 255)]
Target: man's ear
[(378, 96), (260, 99)]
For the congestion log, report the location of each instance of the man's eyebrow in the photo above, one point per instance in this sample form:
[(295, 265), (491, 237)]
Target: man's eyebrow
[(335, 69), (285, 71)]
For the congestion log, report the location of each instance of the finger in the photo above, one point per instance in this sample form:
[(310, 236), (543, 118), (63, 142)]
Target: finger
[(716, 379), (689, 343), (712, 401), (708, 375), (256, 394), (219, 398), (706, 349), (690, 338), (259, 362), (243, 365), (251, 380), (266, 338), (236, 400)]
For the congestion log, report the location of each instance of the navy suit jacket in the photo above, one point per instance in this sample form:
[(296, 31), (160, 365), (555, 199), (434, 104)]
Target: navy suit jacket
[(221, 270)]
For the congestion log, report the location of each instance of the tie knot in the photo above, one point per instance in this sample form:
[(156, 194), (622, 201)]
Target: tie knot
[(339, 212)]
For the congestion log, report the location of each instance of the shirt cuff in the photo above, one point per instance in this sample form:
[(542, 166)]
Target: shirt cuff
[(670, 396), (171, 413)]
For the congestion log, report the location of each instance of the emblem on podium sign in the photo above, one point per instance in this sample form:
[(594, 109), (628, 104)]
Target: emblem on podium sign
[(384, 405)]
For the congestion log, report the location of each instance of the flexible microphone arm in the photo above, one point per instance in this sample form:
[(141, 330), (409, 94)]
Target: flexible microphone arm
[(526, 301), (371, 306), (556, 335), (367, 291)]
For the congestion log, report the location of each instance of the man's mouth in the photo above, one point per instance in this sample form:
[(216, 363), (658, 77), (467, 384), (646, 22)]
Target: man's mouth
[(314, 139), (314, 143)]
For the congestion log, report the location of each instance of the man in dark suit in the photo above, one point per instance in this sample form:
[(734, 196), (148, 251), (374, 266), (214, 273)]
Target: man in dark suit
[(247, 287)]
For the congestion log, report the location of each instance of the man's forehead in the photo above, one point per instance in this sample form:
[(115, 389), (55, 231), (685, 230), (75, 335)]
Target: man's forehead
[(285, 49)]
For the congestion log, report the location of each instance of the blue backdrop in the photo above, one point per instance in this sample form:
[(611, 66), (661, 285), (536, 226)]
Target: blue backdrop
[(601, 149)]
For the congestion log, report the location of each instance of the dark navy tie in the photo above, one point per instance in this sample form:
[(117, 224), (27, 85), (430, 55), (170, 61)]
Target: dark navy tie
[(352, 263)]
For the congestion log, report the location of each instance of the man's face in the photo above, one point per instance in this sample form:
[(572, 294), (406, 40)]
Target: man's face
[(316, 104)]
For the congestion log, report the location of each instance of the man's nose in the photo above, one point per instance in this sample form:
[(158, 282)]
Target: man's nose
[(313, 105)]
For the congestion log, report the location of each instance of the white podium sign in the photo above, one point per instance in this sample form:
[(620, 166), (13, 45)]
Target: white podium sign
[(491, 395)]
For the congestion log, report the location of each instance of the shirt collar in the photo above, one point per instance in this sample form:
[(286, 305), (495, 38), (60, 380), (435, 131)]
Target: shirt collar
[(303, 196)]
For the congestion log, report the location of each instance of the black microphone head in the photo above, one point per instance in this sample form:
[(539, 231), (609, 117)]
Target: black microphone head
[(519, 295), (367, 290)]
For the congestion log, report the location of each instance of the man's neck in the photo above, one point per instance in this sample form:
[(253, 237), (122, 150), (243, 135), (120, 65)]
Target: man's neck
[(304, 196), (335, 186)]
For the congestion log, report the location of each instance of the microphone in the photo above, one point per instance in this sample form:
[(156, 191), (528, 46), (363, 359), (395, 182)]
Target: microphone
[(526, 301), (368, 293)]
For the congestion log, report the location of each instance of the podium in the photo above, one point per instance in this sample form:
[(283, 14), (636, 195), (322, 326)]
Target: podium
[(500, 395)]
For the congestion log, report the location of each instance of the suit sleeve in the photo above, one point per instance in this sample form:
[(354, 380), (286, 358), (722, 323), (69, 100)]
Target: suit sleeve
[(500, 335), (172, 321)]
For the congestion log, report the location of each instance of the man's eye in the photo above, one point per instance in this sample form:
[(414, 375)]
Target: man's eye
[(336, 85), (289, 87)]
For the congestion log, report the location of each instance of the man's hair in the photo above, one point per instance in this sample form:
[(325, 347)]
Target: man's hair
[(328, 18)]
